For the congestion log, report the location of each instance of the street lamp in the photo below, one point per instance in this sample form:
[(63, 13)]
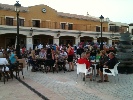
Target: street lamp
[(31, 32), (79, 34), (58, 33), (17, 6), (101, 20)]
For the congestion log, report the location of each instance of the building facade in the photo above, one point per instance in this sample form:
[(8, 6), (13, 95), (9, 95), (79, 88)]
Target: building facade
[(50, 26)]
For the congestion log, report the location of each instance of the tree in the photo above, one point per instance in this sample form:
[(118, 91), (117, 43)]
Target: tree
[(125, 54)]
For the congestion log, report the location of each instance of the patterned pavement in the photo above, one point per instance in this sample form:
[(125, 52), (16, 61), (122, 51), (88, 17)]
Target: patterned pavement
[(63, 86)]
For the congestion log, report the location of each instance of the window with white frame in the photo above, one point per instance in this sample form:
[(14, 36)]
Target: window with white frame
[(70, 26), (36, 22), (21, 22), (63, 25), (9, 21), (97, 29)]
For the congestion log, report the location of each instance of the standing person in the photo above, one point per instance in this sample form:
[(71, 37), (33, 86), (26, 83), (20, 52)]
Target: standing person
[(70, 52), (80, 50)]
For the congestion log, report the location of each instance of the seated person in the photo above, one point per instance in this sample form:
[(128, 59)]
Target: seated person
[(32, 61), (103, 59), (42, 57), (13, 60), (42, 53), (61, 59), (50, 59), (83, 60), (4, 68), (3, 61), (110, 64)]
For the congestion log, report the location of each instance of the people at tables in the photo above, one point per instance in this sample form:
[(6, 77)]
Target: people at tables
[(84, 60), (110, 64), (103, 59)]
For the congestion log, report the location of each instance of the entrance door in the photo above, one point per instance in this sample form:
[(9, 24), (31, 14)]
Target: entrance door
[(36, 42), (69, 41), (10, 42)]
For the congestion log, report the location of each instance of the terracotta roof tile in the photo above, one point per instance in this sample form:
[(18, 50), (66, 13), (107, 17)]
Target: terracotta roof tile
[(77, 16), (11, 7)]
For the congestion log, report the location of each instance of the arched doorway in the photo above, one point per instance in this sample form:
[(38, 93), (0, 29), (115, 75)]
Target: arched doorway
[(9, 39), (43, 39), (66, 39), (104, 39), (115, 40), (86, 39)]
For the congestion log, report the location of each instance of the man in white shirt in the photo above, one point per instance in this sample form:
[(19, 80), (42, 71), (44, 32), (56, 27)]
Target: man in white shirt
[(40, 46), (62, 59), (3, 61)]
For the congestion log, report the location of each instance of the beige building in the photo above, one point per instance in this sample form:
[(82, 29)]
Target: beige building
[(50, 26)]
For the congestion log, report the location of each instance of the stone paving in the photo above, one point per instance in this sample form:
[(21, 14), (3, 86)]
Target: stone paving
[(14, 90), (63, 86)]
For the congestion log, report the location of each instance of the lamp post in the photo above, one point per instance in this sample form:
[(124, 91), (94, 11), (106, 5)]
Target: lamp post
[(101, 21), (79, 34), (31, 32), (17, 6), (58, 33)]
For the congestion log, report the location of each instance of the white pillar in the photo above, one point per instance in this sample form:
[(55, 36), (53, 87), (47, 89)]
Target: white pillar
[(110, 41), (29, 42), (56, 41), (77, 40), (95, 40)]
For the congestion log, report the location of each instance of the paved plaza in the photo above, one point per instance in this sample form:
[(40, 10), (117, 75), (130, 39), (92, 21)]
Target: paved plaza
[(63, 86)]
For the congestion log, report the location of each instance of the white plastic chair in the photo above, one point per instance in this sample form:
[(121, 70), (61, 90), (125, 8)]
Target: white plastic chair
[(81, 68), (114, 71)]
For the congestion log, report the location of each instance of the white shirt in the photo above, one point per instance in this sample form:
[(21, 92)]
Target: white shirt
[(63, 54), (3, 61), (40, 46)]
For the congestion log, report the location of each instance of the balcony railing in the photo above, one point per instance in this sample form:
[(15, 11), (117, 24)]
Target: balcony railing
[(57, 25)]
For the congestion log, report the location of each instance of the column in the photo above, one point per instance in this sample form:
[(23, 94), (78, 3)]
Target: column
[(77, 40), (29, 42), (110, 41), (56, 41), (95, 40)]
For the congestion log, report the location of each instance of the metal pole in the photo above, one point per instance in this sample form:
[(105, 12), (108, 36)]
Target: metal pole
[(101, 46), (18, 44)]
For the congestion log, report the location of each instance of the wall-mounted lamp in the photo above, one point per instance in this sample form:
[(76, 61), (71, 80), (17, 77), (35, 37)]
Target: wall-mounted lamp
[(79, 34), (58, 33), (97, 35), (31, 32), (111, 35)]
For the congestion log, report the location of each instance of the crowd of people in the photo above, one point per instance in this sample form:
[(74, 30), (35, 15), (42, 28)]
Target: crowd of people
[(55, 57)]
